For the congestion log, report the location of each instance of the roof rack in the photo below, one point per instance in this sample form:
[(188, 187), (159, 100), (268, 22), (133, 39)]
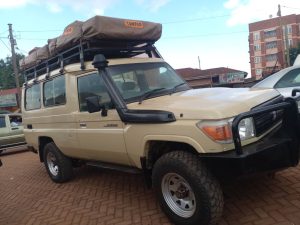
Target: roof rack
[(86, 51)]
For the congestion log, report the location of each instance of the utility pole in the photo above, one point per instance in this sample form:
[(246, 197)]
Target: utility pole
[(14, 61), (285, 40), (199, 63)]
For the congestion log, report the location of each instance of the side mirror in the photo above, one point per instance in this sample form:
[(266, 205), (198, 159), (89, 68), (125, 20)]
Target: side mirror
[(294, 91), (93, 105)]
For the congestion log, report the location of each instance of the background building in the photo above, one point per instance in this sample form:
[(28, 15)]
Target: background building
[(267, 41), (8, 100), (220, 76)]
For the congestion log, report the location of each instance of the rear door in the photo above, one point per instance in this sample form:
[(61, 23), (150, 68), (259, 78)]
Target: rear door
[(16, 129), (4, 131)]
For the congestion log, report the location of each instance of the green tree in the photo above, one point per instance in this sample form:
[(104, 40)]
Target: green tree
[(7, 78), (294, 53)]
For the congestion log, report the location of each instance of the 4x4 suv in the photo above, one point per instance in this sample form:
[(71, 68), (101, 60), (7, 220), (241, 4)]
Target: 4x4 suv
[(11, 131), (151, 121)]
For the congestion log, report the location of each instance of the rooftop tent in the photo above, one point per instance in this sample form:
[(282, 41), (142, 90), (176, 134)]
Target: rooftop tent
[(113, 37), (107, 28)]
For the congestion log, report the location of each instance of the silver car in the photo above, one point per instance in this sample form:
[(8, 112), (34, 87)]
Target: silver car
[(283, 81)]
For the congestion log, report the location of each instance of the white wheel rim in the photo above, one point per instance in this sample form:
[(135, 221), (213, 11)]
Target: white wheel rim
[(51, 163), (178, 195)]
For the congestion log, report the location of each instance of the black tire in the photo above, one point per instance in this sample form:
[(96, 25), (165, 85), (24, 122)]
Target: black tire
[(58, 166), (197, 185)]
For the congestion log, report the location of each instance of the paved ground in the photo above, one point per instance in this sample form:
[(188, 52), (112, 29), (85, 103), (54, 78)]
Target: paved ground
[(28, 196)]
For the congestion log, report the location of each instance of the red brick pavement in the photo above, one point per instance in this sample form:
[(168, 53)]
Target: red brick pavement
[(95, 196)]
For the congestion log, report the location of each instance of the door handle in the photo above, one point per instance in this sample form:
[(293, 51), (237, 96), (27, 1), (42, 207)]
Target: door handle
[(82, 125), (29, 126), (14, 128)]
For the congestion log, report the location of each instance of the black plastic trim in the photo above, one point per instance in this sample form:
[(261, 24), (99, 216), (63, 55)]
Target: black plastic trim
[(275, 151), (257, 111)]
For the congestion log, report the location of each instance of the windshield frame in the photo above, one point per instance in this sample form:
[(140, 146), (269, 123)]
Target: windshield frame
[(166, 91)]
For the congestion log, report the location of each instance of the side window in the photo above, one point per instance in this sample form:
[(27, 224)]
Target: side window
[(92, 85), (33, 97), (291, 79), (15, 121), (55, 92), (2, 122)]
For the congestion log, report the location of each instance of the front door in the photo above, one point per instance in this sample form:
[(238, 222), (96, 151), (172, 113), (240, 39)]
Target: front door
[(101, 137)]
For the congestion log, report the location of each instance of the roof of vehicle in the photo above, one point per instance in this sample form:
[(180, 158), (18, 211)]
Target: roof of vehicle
[(75, 69), (84, 52)]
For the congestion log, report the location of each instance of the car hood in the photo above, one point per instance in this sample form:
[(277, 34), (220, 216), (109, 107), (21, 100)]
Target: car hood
[(208, 103)]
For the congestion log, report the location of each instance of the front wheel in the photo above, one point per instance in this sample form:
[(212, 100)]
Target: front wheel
[(187, 192), (59, 166)]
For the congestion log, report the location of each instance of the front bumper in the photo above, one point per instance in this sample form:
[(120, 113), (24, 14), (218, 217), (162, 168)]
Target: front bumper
[(277, 150)]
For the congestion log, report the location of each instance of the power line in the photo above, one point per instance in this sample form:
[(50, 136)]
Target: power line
[(196, 19), (33, 39), (5, 45), (37, 31), (290, 7), (3, 32), (205, 35)]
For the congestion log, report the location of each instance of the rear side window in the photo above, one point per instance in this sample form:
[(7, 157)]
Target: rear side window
[(55, 92), (33, 97), (2, 122)]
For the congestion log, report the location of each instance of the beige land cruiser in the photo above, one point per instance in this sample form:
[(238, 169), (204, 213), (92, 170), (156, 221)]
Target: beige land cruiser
[(111, 101)]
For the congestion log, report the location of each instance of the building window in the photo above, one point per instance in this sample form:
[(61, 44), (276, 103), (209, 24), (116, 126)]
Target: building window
[(272, 57), (289, 29), (272, 44), (55, 92), (290, 42), (257, 59), (258, 72), (270, 33), (256, 36), (33, 97), (257, 47)]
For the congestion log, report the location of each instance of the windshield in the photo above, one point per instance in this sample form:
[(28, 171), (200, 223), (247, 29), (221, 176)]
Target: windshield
[(145, 80), (271, 80)]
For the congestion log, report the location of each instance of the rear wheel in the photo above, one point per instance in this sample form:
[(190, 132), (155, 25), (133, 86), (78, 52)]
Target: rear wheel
[(187, 192), (59, 166)]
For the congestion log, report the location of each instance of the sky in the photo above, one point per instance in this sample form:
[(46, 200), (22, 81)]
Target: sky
[(215, 31)]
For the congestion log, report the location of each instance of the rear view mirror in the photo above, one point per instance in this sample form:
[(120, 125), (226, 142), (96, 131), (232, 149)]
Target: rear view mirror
[(93, 104)]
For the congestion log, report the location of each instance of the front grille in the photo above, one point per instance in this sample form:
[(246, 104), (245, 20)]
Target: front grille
[(265, 121)]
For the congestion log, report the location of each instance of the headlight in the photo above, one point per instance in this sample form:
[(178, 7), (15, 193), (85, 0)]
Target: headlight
[(220, 131), (246, 128)]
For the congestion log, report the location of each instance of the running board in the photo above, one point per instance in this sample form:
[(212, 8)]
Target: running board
[(111, 166)]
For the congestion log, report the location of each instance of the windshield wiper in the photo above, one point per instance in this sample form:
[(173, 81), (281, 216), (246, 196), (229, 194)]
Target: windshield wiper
[(149, 93), (175, 87)]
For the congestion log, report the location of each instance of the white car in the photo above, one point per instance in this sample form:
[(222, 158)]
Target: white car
[(283, 81)]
